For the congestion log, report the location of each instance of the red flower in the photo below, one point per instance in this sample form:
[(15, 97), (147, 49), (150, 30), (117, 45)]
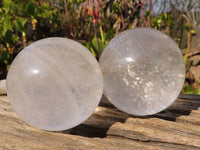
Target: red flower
[(96, 14), (88, 13), (94, 20)]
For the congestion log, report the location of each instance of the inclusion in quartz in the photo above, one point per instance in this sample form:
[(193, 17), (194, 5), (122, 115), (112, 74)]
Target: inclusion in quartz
[(143, 71), (54, 84)]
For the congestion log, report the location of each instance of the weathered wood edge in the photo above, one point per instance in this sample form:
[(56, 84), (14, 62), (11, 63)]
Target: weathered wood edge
[(178, 127)]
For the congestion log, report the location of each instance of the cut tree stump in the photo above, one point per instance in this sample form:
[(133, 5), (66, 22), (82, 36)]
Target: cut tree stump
[(108, 128)]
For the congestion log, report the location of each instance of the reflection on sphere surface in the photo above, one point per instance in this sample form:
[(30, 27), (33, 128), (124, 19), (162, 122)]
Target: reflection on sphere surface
[(143, 71)]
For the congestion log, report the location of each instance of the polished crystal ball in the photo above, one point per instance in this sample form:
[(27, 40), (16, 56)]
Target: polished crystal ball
[(143, 71), (54, 84)]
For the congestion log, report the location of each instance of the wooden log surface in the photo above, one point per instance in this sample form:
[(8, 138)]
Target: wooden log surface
[(177, 127)]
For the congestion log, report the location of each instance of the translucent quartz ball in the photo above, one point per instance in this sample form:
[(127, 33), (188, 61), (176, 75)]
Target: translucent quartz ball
[(54, 84), (143, 71)]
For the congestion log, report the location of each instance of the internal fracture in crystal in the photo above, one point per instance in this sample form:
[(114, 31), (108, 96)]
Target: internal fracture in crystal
[(143, 71)]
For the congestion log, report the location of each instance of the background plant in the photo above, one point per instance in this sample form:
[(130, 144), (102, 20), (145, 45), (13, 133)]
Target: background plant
[(93, 23)]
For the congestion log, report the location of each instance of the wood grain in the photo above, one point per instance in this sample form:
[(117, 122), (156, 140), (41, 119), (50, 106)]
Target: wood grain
[(108, 128)]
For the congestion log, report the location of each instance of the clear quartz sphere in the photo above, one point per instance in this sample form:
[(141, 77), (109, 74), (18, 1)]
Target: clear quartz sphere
[(54, 84), (143, 71)]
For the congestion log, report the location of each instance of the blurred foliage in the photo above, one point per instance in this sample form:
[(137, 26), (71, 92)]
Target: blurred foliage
[(92, 22), (189, 89), (162, 22)]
